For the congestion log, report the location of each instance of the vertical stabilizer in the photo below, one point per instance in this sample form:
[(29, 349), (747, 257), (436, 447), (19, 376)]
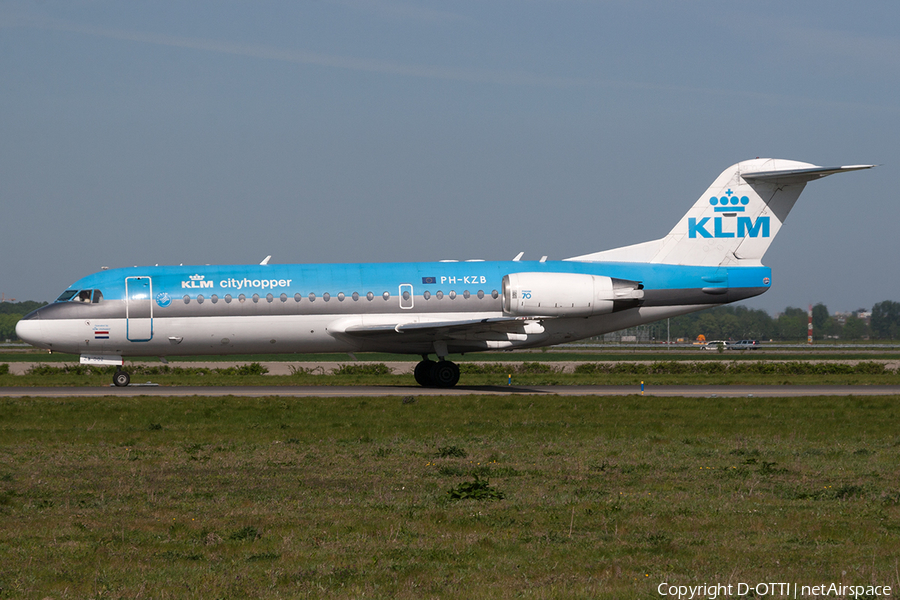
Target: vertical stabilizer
[(734, 221)]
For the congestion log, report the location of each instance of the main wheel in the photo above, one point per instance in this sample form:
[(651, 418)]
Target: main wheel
[(445, 374), (121, 378), (423, 372)]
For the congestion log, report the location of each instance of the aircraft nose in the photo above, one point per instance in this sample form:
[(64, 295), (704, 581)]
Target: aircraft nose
[(28, 329)]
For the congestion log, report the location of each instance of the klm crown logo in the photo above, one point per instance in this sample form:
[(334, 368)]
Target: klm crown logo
[(196, 281), (730, 205)]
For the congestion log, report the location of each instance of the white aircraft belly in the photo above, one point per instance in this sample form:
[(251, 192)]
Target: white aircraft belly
[(208, 335), (258, 334)]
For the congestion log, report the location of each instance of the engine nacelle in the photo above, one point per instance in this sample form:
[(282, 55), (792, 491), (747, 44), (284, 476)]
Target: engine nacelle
[(567, 294)]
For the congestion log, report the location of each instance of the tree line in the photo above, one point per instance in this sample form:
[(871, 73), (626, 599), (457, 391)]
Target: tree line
[(741, 323), (721, 323)]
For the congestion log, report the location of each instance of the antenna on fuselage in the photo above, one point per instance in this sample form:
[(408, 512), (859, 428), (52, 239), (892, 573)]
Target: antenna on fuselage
[(265, 261), (519, 256)]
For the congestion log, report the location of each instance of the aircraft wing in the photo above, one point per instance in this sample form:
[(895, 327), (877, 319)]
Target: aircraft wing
[(450, 330)]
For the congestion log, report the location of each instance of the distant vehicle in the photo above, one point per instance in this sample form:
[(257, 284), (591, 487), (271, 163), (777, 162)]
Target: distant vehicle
[(715, 345), (744, 345)]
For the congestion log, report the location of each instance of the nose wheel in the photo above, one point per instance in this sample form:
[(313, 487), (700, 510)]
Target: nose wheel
[(121, 378), (440, 374)]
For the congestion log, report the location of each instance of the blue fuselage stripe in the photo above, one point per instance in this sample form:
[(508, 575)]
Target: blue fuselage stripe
[(378, 278)]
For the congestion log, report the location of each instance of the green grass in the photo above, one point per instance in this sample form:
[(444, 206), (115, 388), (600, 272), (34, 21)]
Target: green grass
[(554, 354), (484, 374), (586, 497)]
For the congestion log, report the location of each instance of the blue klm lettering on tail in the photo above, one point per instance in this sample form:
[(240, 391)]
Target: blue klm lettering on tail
[(746, 227)]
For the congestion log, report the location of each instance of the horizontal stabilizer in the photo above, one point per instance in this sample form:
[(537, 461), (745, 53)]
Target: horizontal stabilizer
[(790, 176)]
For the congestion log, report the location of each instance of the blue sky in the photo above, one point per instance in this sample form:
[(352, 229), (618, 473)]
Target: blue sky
[(200, 132)]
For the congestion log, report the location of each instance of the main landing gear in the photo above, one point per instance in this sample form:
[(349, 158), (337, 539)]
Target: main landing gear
[(121, 378), (441, 374)]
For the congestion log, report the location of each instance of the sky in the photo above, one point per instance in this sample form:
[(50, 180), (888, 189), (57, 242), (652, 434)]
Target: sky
[(140, 133)]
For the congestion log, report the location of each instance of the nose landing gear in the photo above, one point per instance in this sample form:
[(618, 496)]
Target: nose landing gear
[(121, 378)]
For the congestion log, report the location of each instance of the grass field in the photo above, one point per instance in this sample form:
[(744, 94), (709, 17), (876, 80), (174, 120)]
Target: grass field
[(586, 497), (760, 372), (555, 354)]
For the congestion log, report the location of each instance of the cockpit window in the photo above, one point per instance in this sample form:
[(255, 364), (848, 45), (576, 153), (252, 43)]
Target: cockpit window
[(86, 296)]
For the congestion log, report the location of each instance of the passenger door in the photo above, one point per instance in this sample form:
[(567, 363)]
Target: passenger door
[(138, 309)]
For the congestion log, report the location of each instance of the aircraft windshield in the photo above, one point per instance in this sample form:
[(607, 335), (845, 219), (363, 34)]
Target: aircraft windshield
[(66, 295), (86, 296)]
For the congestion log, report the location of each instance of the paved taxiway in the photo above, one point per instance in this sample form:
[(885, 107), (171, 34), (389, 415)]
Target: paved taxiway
[(694, 391)]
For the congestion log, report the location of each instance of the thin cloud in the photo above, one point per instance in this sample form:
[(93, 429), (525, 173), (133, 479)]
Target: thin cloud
[(317, 59), (462, 74)]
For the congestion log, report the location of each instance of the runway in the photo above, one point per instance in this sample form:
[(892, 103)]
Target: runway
[(685, 391)]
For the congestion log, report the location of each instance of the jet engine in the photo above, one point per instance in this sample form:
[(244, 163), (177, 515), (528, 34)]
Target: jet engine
[(567, 294)]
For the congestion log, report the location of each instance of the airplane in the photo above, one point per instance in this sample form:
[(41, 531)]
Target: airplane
[(711, 257)]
